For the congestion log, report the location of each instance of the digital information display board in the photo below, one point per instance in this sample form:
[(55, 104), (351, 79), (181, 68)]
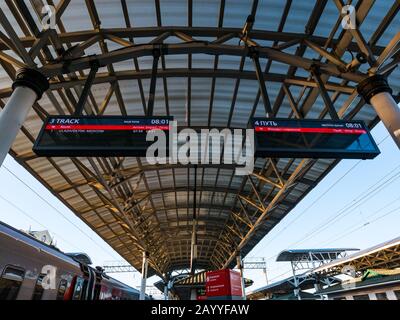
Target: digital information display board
[(283, 138), (91, 136)]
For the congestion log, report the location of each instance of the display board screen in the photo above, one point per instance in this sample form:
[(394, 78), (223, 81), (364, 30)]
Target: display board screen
[(98, 136), (282, 138)]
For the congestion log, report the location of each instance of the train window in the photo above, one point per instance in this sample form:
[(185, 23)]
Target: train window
[(38, 291), (62, 287), (10, 283), (361, 297), (397, 294), (381, 296)]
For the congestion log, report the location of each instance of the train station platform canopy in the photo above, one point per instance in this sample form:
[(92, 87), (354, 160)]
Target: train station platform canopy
[(210, 52), (383, 256), (308, 254)]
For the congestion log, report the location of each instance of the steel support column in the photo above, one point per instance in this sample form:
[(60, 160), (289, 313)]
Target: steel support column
[(193, 294), (265, 270), (166, 291), (145, 265), (153, 82), (28, 87), (193, 245), (167, 283), (254, 55), (86, 90), (376, 91), (239, 263), (296, 282)]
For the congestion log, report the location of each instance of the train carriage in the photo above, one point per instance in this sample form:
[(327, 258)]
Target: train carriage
[(33, 270)]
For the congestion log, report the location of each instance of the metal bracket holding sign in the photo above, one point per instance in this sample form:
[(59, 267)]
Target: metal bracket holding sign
[(86, 89)]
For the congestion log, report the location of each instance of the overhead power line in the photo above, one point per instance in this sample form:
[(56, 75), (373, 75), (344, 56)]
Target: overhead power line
[(38, 222), (57, 211), (350, 207), (355, 227)]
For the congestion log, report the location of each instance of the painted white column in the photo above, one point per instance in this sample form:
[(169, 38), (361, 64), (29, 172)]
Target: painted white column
[(389, 112), (391, 295), (376, 91), (372, 296), (193, 294), (166, 290), (28, 86), (13, 116), (145, 266), (239, 263)]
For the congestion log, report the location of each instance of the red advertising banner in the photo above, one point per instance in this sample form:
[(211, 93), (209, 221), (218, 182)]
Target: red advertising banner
[(223, 283)]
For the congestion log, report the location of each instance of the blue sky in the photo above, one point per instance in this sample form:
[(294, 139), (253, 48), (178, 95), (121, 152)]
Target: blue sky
[(357, 205)]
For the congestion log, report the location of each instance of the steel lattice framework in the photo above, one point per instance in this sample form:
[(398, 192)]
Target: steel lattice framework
[(382, 256), (121, 267), (295, 60)]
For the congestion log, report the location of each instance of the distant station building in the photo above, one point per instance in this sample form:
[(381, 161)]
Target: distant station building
[(375, 284), (303, 283), (334, 274), (375, 274)]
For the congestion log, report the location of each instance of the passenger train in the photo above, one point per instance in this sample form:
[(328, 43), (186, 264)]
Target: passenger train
[(33, 270)]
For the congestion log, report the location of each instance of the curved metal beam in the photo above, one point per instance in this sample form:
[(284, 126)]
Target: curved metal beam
[(208, 32), (194, 73), (136, 51)]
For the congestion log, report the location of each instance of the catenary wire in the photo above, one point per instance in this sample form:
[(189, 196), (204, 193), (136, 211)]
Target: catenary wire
[(58, 211)]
